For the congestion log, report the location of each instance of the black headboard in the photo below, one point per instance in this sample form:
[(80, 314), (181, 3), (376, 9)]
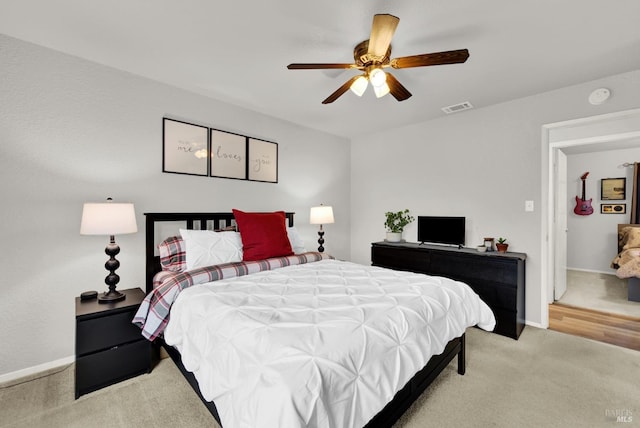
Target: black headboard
[(198, 221)]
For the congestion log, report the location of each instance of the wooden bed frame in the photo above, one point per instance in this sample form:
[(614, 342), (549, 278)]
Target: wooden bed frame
[(386, 417)]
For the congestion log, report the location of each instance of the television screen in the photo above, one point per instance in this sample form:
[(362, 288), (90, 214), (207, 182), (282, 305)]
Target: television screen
[(441, 230)]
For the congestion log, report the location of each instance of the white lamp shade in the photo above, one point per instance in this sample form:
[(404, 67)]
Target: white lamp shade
[(359, 86), (108, 219), (321, 215), (381, 90), (378, 77)]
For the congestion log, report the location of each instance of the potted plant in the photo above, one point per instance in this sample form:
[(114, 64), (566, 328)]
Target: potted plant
[(502, 245), (395, 224)]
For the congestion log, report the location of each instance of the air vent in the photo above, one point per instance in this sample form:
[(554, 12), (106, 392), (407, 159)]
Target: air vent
[(457, 107)]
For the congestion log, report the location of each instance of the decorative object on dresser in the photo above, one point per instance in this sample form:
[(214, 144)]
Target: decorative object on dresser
[(109, 219), (109, 348), (502, 245), (488, 243), (322, 214), (395, 223), (498, 278)]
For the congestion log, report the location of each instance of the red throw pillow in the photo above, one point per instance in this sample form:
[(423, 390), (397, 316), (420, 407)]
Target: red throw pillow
[(263, 235)]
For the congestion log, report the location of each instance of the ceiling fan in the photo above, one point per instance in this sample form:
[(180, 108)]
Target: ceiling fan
[(372, 55)]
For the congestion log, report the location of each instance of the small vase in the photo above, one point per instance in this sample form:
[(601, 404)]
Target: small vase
[(394, 236), (502, 248)]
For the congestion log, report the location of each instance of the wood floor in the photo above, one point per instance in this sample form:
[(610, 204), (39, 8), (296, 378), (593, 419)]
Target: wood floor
[(615, 329)]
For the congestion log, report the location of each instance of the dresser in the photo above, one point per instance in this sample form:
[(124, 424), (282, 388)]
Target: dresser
[(498, 278), (109, 348)]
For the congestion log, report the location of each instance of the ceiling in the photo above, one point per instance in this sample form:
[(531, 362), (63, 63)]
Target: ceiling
[(237, 51)]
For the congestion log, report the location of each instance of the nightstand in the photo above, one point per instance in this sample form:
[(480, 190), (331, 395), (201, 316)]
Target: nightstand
[(109, 348)]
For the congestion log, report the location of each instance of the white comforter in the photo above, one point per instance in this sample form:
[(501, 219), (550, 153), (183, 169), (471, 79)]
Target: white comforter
[(324, 344)]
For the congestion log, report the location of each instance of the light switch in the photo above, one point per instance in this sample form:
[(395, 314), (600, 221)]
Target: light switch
[(528, 206)]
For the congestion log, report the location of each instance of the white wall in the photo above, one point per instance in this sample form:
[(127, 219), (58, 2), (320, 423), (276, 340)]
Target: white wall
[(482, 164), (592, 241), (73, 131)]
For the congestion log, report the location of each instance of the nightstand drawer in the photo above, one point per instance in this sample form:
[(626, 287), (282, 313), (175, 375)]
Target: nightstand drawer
[(105, 332), (105, 368)]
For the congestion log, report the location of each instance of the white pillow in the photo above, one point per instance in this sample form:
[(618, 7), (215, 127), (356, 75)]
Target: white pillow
[(297, 244), (206, 248)]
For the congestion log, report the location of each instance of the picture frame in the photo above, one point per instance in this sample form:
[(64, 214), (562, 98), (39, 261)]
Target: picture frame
[(613, 208), (228, 155), (613, 189), (262, 161), (185, 148)]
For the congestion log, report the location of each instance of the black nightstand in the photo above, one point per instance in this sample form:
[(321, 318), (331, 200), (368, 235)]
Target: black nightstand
[(109, 348)]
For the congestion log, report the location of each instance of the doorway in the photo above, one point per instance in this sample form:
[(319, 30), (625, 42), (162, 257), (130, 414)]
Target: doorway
[(609, 131)]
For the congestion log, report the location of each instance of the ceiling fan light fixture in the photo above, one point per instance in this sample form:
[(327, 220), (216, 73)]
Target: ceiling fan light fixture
[(381, 90), (359, 86), (378, 77)]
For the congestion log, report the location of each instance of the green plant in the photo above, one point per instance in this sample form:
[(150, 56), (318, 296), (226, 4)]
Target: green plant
[(396, 222), (502, 240)]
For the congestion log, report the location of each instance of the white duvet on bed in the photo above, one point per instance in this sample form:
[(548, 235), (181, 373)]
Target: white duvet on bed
[(323, 344)]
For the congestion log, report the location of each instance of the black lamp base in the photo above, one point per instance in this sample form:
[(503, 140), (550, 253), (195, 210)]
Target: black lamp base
[(112, 279), (321, 240), (111, 296)]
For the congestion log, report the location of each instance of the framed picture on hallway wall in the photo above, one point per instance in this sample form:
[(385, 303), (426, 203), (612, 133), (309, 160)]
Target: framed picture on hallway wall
[(613, 189), (613, 208)]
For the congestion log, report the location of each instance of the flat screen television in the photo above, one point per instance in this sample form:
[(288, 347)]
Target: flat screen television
[(441, 230)]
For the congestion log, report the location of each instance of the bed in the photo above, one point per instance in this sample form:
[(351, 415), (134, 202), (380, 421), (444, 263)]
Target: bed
[(627, 262), (274, 385)]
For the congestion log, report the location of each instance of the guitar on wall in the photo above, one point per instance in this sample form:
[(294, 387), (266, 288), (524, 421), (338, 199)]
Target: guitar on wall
[(583, 206)]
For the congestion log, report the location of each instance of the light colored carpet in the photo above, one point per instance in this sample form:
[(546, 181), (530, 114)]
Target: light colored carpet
[(545, 379), (599, 291)]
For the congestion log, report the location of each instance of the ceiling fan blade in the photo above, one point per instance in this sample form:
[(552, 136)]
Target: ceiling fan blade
[(341, 90), (382, 30), (436, 58), (398, 91), (319, 66)]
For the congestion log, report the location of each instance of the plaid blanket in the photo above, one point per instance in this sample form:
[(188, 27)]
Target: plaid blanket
[(153, 314)]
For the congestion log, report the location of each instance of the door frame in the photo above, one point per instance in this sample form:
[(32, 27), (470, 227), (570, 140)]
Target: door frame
[(606, 129)]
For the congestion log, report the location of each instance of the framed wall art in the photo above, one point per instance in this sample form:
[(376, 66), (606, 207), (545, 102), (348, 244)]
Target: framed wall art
[(228, 155), (185, 148), (613, 208), (613, 189), (263, 161)]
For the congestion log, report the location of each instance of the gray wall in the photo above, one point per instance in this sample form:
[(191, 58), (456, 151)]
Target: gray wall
[(72, 131), (482, 164), (592, 240)]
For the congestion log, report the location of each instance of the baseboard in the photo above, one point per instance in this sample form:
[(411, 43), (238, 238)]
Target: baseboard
[(535, 324), (40, 369), (611, 272)]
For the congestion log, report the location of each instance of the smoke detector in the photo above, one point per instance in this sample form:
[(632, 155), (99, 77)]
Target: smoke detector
[(466, 105), (599, 96)]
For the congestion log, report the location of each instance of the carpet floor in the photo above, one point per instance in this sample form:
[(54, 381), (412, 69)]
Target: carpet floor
[(545, 379), (599, 291)]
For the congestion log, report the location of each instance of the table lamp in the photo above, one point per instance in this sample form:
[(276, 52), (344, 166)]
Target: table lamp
[(321, 215), (109, 219)]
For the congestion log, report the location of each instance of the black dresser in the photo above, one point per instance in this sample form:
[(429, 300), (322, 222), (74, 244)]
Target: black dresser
[(498, 278), (109, 348)]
